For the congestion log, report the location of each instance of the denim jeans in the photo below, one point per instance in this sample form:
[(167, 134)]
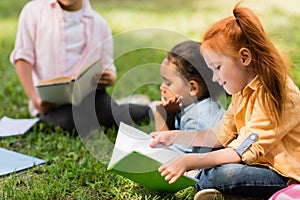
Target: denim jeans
[(242, 180)]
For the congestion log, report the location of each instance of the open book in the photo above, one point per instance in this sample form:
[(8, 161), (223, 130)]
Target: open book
[(134, 159), (65, 90)]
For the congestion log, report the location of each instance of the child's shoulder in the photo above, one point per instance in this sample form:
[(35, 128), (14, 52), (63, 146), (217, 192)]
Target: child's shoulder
[(210, 103), (37, 3), (206, 107), (36, 6)]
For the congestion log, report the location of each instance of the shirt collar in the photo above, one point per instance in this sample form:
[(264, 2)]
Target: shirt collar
[(86, 4), (53, 3), (88, 8), (193, 104), (252, 86)]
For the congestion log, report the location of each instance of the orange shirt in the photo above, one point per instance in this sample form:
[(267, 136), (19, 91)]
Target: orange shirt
[(279, 148)]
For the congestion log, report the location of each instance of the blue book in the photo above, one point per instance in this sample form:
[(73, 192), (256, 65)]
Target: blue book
[(12, 161)]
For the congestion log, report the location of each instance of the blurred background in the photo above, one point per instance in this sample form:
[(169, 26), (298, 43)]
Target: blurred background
[(144, 30)]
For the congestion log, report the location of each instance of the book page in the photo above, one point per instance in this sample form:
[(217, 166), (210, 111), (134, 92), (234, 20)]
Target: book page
[(130, 139), (11, 127), (59, 80), (85, 69), (85, 83)]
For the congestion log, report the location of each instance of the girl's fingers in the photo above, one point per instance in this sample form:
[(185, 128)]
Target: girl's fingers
[(170, 177), (173, 179), (154, 142)]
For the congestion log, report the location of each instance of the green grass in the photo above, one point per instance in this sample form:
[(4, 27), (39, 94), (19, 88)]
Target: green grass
[(144, 30)]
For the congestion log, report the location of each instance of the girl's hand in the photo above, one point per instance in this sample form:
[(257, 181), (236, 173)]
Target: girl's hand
[(164, 137), (171, 105), (174, 169)]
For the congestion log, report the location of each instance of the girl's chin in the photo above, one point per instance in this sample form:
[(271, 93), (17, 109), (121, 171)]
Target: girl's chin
[(228, 91)]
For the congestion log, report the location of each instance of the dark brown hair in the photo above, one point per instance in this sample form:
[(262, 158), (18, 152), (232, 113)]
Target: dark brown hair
[(191, 65)]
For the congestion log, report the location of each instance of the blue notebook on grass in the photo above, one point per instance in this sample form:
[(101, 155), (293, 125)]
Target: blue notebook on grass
[(11, 161)]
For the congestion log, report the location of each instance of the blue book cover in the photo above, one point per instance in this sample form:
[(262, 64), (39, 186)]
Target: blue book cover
[(12, 161)]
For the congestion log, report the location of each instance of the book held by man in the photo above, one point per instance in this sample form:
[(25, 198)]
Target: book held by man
[(65, 90), (134, 159)]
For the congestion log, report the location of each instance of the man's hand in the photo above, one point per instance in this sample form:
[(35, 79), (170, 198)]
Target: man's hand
[(106, 78), (42, 106)]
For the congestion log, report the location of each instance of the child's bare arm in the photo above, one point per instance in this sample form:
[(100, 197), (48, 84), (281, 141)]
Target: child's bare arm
[(176, 168), (24, 72), (163, 120), (165, 113), (204, 138)]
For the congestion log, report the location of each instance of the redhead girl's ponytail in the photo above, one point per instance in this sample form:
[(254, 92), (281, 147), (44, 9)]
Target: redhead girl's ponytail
[(269, 64), (244, 29)]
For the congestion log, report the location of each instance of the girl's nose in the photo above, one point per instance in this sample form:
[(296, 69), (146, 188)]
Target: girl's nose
[(215, 77), (162, 88)]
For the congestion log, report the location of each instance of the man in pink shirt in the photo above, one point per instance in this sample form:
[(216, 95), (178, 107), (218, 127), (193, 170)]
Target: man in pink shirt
[(56, 38)]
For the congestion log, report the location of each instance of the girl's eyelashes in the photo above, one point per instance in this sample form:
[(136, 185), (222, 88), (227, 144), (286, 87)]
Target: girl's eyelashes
[(167, 83), (218, 67)]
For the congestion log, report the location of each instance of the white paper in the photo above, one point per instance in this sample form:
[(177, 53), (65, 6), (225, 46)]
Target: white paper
[(12, 161), (130, 139), (11, 127)]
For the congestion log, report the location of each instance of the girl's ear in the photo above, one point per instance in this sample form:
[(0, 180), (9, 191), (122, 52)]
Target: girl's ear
[(194, 88), (246, 56)]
